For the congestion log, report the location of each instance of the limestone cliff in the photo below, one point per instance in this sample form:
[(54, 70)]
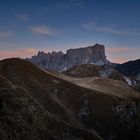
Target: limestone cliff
[(58, 61)]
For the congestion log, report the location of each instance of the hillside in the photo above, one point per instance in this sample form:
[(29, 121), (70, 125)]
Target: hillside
[(131, 69), (25, 116), (66, 109), (91, 70)]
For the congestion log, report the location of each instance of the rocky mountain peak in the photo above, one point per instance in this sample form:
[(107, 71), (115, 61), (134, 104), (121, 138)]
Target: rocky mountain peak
[(59, 61)]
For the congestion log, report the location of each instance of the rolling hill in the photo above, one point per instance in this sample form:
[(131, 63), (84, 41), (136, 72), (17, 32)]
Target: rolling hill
[(91, 70)]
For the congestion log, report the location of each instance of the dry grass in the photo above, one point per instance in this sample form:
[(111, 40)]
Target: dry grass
[(62, 97)]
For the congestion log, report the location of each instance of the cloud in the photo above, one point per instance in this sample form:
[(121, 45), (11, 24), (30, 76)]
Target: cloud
[(42, 31), (93, 26), (22, 17), (106, 29), (6, 34), (26, 52)]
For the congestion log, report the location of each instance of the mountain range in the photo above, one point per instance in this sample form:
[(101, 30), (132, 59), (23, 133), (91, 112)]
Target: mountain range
[(58, 61), (90, 58)]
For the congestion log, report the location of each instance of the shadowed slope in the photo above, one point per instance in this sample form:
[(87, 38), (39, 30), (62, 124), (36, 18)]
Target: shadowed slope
[(130, 68), (82, 109), (23, 117)]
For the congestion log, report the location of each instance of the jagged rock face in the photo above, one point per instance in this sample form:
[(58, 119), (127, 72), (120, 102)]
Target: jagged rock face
[(58, 61)]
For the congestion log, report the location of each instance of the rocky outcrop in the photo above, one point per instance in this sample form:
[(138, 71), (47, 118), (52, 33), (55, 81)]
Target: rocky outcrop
[(58, 61)]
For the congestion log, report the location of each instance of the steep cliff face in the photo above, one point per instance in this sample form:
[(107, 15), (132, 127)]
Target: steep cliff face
[(59, 61)]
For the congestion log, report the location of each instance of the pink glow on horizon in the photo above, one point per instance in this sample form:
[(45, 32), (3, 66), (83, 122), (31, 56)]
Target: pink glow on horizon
[(23, 53), (122, 54), (119, 60), (116, 54), (124, 49)]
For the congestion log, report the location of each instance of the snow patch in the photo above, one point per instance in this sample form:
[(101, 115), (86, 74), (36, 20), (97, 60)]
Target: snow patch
[(128, 80)]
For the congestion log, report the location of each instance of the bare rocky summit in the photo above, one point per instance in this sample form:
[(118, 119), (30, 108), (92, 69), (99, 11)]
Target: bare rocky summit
[(58, 61)]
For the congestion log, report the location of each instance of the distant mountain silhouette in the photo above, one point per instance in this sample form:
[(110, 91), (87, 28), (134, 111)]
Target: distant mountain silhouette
[(131, 69)]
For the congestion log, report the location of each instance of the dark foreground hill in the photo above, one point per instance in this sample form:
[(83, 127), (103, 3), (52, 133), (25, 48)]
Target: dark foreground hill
[(36, 104), (30, 112)]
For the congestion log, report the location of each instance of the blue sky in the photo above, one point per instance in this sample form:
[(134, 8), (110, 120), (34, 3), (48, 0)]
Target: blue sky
[(27, 26)]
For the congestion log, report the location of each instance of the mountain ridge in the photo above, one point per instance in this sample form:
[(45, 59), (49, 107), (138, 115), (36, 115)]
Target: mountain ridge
[(59, 61), (130, 68)]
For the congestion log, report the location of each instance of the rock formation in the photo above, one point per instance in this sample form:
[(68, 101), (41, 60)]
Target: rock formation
[(58, 61)]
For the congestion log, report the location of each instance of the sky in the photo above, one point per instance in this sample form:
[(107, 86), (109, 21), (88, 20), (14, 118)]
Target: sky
[(29, 26)]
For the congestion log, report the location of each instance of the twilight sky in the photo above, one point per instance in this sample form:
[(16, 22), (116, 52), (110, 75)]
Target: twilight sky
[(27, 26)]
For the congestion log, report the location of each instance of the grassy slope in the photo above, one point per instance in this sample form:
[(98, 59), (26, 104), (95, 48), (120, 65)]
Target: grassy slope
[(90, 70), (63, 99), (29, 104), (104, 85)]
